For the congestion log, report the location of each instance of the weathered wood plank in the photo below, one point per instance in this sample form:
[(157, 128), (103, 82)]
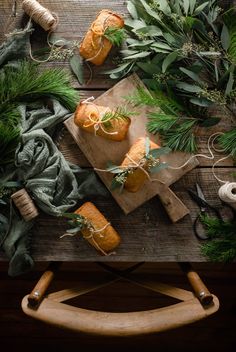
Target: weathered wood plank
[(147, 234)]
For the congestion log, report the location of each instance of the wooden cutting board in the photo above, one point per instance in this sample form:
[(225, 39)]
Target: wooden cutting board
[(99, 150)]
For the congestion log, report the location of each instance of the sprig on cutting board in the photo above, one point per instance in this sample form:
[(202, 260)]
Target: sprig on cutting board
[(222, 244)]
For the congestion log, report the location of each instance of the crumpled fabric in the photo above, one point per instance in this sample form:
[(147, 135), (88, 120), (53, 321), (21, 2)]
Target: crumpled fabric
[(54, 184)]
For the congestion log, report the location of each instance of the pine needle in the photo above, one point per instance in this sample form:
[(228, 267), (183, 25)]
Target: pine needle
[(228, 142), (25, 83), (115, 35), (222, 246)]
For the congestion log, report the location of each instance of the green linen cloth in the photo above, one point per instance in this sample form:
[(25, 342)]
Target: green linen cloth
[(54, 184)]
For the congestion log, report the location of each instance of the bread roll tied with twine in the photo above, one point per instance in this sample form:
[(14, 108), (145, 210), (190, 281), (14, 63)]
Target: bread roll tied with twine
[(102, 121), (94, 227), (95, 47), (135, 155)]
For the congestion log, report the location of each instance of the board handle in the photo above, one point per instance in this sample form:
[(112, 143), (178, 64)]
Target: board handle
[(174, 207), (38, 292), (201, 291)]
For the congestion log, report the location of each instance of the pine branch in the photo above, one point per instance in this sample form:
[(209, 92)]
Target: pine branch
[(115, 35), (120, 113), (228, 142), (25, 83), (176, 133), (222, 246)]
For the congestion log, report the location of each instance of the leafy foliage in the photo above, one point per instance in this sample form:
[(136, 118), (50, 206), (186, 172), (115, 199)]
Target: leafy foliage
[(120, 113), (222, 246), (184, 50)]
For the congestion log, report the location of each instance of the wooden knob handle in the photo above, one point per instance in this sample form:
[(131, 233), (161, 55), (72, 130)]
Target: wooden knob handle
[(172, 204), (38, 292), (200, 290)]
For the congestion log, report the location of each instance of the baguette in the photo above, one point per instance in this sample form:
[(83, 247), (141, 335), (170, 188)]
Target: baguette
[(85, 114), (95, 47), (106, 240)]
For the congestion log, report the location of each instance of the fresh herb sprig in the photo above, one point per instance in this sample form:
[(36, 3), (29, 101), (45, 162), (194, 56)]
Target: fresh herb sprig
[(222, 244), (77, 221), (115, 35), (120, 113), (150, 162)]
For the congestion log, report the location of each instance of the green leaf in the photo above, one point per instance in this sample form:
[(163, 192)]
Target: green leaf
[(192, 5), (200, 8), (148, 67), (191, 74), (212, 121), (189, 87), (76, 65), (115, 185), (161, 46), (149, 10), (225, 38), (74, 230), (230, 84), (132, 10), (168, 60), (151, 31), (119, 68), (138, 55), (164, 7), (115, 35), (201, 102), (186, 4), (156, 153), (138, 43), (135, 24)]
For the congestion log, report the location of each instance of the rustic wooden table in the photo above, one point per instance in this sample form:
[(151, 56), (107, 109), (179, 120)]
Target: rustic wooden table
[(147, 234)]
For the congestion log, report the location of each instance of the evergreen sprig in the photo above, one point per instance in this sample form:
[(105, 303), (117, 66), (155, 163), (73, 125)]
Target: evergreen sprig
[(115, 35), (77, 221), (120, 113), (228, 142), (22, 82), (222, 244)]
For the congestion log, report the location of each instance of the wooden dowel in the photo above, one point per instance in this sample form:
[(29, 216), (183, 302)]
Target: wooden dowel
[(200, 290), (37, 294)]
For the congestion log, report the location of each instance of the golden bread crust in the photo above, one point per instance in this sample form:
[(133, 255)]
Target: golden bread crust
[(94, 45), (107, 239)]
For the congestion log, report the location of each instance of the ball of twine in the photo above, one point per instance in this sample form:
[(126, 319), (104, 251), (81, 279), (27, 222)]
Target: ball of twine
[(25, 204), (46, 19)]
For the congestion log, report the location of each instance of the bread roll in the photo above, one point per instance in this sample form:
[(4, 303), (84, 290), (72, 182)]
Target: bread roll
[(85, 114), (104, 241), (95, 47), (135, 180)]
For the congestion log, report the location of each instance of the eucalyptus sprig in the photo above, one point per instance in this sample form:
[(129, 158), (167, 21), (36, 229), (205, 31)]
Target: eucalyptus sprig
[(185, 50), (222, 244), (150, 162), (115, 35), (78, 222)]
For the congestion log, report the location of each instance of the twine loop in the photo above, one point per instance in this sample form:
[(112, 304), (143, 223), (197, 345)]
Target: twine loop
[(98, 122)]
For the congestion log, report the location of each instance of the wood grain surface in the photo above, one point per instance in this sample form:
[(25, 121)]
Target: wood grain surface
[(147, 234)]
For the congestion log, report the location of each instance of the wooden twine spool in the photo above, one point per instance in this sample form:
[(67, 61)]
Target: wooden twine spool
[(47, 20), (25, 204)]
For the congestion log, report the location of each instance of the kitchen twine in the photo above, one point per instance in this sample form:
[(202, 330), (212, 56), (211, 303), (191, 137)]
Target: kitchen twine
[(25, 204), (98, 123), (227, 192), (93, 231)]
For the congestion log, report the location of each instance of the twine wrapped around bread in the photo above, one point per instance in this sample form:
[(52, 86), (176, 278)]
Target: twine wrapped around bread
[(25, 204)]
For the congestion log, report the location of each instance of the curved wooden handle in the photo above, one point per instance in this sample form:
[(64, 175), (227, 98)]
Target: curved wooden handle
[(197, 284), (119, 324), (38, 292)]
